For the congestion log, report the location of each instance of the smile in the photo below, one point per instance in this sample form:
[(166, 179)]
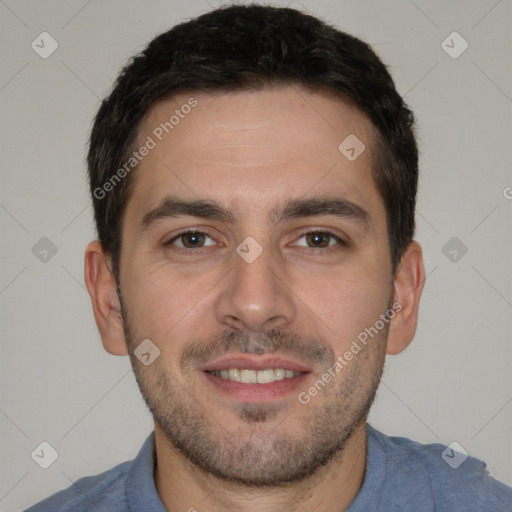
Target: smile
[(246, 376)]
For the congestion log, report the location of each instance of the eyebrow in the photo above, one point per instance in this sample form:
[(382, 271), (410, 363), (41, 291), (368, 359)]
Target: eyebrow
[(172, 207)]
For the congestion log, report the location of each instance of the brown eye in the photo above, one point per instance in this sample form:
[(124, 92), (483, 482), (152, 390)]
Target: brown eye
[(190, 240), (321, 240), (318, 239)]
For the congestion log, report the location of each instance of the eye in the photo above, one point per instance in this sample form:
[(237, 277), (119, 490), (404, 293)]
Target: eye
[(190, 240), (318, 239)]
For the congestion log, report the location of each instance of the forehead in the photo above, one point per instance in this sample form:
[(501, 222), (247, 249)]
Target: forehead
[(252, 149)]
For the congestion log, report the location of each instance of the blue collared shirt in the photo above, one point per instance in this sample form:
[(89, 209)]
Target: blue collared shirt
[(401, 475)]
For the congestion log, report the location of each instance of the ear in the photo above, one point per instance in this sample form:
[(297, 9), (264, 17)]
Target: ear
[(101, 285), (408, 285)]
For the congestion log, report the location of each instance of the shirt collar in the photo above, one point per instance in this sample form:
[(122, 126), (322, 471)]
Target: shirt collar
[(143, 496), (140, 484)]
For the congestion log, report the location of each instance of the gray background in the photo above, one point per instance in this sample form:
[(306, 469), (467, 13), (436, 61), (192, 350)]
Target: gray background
[(58, 385)]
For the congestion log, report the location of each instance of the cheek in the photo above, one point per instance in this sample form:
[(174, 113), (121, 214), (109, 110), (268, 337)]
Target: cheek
[(348, 302), (162, 301)]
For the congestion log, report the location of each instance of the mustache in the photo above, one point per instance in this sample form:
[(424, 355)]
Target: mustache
[(306, 351)]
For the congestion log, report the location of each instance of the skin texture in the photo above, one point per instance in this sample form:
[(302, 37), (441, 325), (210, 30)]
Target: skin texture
[(251, 152)]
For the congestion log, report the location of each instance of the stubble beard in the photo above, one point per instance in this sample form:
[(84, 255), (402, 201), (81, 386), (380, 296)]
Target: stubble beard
[(262, 452)]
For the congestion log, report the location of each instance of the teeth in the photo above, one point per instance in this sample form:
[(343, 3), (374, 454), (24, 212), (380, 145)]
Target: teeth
[(234, 374), (279, 374), (265, 376), (255, 377), (247, 376)]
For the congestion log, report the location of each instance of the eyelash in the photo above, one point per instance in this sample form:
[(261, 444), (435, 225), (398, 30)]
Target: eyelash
[(323, 250)]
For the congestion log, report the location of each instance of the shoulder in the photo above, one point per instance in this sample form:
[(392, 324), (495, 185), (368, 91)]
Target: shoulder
[(457, 481), (97, 492)]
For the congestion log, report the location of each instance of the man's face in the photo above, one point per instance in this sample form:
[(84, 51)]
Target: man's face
[(252, 290)]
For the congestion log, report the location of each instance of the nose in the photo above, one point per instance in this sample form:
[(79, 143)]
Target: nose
[(256, 295)]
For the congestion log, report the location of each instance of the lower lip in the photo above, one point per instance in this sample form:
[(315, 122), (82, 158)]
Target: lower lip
[(255, 392)]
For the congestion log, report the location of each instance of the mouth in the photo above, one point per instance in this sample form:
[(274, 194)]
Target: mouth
[(247, 376), (251, 378)]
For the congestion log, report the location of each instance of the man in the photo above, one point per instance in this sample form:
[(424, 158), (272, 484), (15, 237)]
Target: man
[(254, 176)]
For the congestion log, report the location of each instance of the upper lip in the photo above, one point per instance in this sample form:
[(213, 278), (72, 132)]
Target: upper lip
[(253, 362)]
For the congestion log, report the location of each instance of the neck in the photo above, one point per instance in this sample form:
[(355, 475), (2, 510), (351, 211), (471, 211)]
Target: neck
[(183, 486)]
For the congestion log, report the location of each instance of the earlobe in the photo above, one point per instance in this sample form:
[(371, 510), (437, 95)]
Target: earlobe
[(101, 285), (408, 285)]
